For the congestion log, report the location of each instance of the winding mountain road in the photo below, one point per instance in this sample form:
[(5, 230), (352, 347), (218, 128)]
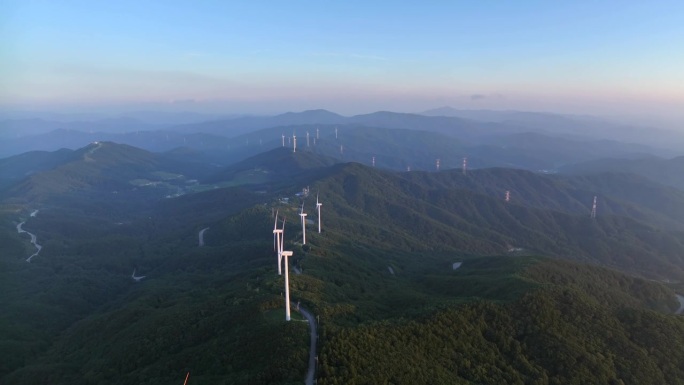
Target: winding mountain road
[(312, 346), (201, 236), (33, 238)]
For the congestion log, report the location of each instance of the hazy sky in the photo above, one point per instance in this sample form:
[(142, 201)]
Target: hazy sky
[(347, 56)]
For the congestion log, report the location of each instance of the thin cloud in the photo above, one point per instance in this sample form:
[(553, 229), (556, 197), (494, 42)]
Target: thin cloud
[(476, 97), (349, 55)]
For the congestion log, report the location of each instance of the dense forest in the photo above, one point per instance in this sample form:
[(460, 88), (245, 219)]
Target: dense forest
[(415, 278)]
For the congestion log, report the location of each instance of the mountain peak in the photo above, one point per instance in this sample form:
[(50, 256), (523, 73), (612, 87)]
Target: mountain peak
[(319, 114)]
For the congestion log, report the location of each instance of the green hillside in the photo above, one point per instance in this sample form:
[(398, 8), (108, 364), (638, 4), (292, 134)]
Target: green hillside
[(380, 277)]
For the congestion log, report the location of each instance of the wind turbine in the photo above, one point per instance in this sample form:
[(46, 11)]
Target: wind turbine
[(277, 244), (286, 254), (283, 135), (318, 207), (303, 215), (294, 143), (280, 239)]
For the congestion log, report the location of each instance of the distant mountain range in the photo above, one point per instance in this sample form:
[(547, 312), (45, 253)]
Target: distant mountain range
[(397, 141)]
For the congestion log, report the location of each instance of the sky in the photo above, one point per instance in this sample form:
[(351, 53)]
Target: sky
[(608, 57)]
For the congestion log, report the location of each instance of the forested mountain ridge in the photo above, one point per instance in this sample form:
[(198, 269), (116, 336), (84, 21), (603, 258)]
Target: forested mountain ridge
[(419, 216), (380, 276)]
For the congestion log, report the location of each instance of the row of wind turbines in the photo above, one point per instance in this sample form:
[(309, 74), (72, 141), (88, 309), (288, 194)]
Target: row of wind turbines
[(283, 255)]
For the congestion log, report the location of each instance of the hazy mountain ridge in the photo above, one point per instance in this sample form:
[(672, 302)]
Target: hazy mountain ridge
[(580, 126), (665, 171), (470, 132)]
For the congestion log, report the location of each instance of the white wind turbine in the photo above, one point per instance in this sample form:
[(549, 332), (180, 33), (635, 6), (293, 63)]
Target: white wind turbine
[(278, 242), (318, 207), (286, 254), (294, 143), (283, 254), (302, 214)]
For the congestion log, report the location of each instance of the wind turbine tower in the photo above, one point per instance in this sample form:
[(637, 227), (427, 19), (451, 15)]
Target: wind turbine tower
[(277, 243), (318, 208), (307, 139), (437, 164), (465, 165), (341, 149), (317, 133), (302, 214), (593, 208), (286, 254), (294, 143), (373, 161), (335, 132)]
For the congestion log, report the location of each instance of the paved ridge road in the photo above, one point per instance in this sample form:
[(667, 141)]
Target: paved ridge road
[(312, 346)]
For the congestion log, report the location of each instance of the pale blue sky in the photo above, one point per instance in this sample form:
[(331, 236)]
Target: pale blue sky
[(346, 56)]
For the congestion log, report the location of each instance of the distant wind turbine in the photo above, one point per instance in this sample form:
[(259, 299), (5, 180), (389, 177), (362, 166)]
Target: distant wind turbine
[(318, 207), (283, 140), (307, 139), (302, 214), (294, 143)]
